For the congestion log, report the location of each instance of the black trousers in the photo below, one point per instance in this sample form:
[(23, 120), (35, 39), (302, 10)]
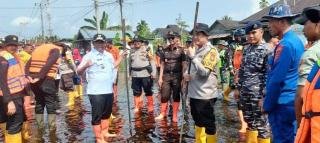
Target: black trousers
[(13, 122), (171, 84), (101, 106), (202, 111), (45, 97), (139, 83)]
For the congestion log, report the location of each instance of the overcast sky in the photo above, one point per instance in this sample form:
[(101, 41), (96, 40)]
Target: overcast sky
[(22, 17)]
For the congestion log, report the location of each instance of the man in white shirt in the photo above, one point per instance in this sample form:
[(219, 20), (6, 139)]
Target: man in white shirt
[(100, 74)]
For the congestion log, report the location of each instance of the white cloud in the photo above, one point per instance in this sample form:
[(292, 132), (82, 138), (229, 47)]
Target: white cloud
[(23, 20)]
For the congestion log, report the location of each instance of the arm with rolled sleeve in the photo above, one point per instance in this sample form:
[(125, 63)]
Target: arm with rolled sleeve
[(278, 74), (4, 65), (307, 61)]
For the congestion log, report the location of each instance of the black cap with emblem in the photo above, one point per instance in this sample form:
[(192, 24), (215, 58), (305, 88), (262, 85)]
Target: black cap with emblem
[(99, 37), (253, 25), (11, 40), (172, 34)]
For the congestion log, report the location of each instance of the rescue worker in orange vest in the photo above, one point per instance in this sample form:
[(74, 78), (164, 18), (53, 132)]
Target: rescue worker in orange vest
[(12, 84), (308, 88), (309, 129), (41, 70), (116, 56)]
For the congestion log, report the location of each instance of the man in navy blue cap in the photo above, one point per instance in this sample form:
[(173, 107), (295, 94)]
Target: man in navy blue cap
[(251, 84), (283, 75)]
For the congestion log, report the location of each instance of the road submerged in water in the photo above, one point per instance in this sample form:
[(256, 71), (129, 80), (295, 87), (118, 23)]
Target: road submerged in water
[(74, 123)]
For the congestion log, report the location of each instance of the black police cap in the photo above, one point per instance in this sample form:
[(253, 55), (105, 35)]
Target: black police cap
[(99, 37), (11, 40), (253, 25)]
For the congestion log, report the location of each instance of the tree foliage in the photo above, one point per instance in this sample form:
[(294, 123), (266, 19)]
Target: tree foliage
[(143, 30), (263, 4)]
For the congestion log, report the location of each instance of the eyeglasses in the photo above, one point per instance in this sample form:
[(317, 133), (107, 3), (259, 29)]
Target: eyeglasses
[(170, 38)]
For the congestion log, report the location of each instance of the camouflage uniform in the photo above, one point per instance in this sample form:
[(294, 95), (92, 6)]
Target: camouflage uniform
[(252, 82)]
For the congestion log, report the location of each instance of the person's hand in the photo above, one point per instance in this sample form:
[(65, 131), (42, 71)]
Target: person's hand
[(35, 80), (160, 83), (187, 77), (30, 79), (11, 108), (236, 94), (124, 53), (191, 52), (88, 64)]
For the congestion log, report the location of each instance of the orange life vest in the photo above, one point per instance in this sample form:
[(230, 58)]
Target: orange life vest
[(309, 130), (39, 58), (237, 58), (16, 77)]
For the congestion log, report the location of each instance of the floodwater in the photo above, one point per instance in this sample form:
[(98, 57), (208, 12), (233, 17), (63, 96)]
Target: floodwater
[(74, 123)]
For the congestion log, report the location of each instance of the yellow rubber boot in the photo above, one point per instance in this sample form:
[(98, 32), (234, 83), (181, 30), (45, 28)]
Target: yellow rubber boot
[(200, 135), (226, 93), (211, 138), (13, 138), (79, 89), (267, 140), (252, 137), (25, 131), (71, 95), (3, 127)]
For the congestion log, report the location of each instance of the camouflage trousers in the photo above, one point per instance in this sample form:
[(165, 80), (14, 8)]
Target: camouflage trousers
[(252, 114)]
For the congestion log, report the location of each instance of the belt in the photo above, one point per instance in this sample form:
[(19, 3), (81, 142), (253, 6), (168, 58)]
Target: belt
[(172, 72), (138, 69), (310, 114)]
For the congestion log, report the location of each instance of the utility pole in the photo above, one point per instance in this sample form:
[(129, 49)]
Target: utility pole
[(96, 7), (49, 18), (42, 22), (124, 44)]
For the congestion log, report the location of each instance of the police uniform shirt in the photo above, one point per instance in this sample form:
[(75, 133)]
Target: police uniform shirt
[(139, 58), (101, 75), (203, 84), (173, 58)]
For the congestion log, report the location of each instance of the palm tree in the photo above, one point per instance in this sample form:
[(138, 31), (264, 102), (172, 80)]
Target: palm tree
[(103, 24), (226, 17), (263, 4)]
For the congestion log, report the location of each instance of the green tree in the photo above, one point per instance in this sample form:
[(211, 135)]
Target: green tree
[(226, 17), (103, 24), (143, 30), (116, 39), (263, 4), (182, 27)]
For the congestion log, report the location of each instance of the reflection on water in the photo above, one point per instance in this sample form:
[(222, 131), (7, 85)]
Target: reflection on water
[(74, 123)]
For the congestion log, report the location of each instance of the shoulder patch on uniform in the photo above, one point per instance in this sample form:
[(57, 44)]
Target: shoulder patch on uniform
[(210, 59), (278, 52)]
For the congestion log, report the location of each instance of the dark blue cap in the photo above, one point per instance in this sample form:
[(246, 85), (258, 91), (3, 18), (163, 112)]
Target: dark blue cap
[(239, 32), (279, 12), (253, 25)]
